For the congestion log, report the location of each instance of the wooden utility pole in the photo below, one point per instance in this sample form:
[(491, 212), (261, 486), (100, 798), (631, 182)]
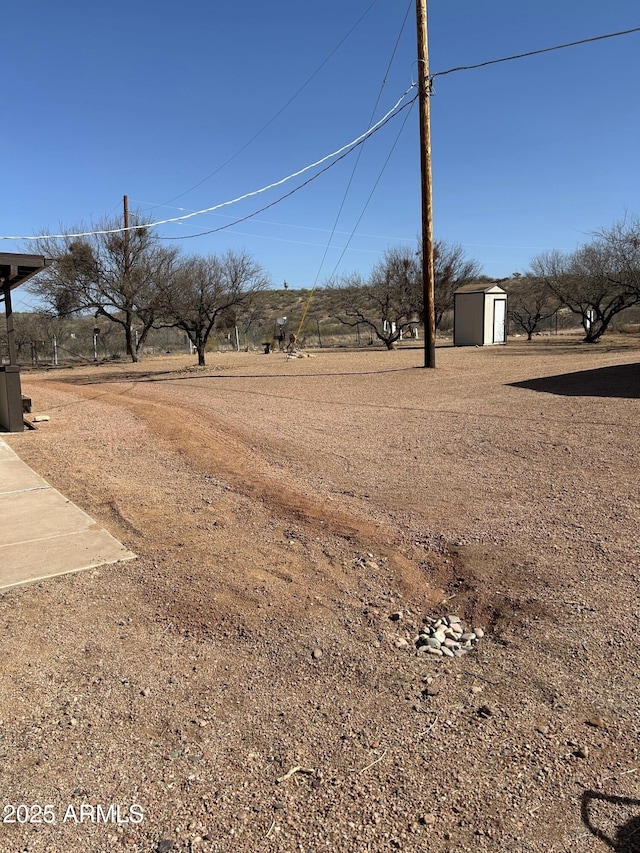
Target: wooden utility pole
[(125, 205), (424, 94)]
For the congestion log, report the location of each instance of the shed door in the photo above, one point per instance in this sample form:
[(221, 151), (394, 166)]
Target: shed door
[(499, 315)]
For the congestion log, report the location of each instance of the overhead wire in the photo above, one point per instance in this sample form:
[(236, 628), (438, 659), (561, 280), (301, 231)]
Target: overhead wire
[(352, 176), (335, 154), (533, 52), (359, 220), (349, 146), (280, 111), (283, 224), (295, 189), (361, 149)]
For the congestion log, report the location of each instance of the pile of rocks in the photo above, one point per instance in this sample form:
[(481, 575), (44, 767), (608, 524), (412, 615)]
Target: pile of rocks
[(446, 637)]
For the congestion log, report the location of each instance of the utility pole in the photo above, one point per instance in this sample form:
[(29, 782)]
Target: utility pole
[(424, 95), (125, 205)]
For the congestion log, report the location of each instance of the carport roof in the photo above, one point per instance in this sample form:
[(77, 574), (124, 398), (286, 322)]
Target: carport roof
[(16, 268)]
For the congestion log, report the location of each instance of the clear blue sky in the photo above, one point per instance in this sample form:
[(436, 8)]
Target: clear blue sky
[(148, 98)]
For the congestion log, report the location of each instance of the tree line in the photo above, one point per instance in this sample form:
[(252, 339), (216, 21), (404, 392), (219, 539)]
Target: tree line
[(596, 282), (133, 280)]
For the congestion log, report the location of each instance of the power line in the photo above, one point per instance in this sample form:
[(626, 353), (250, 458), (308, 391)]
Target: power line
[(357, 163), (350, 182), (534, 52), (344, 149), (280, 111), (373, 189), (295, 189), (342, 254)]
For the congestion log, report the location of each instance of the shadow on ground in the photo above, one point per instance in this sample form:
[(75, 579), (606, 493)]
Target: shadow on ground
[(620, 380), (627, 834)]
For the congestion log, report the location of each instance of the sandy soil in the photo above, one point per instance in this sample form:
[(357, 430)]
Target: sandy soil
[(282, 512)]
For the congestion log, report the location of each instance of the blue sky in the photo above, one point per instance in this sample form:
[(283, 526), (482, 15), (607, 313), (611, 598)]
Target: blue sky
[(150, 98)]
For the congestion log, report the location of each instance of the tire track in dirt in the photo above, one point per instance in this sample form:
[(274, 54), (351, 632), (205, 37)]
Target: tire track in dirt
[(216, 448)]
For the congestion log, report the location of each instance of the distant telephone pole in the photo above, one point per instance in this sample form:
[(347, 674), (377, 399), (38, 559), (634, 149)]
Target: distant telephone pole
[(424, 95), (125, 206)]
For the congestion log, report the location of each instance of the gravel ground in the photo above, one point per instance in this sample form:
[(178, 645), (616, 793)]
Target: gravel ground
[(297, 523)]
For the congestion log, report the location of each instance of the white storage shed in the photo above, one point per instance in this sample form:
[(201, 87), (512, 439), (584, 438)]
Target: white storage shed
[(479, 315)]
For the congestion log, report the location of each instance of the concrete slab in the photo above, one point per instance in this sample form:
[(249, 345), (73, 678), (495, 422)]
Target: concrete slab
[(59, 555), (16, 477), (6, 452), (42, 534)]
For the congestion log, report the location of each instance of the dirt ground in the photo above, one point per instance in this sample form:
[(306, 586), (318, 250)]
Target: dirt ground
[(296, 522)]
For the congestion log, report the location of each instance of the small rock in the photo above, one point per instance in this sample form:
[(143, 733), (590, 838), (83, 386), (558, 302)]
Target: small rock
[(164, 846), (447, 652), (543, 730), (431, 641), (451, 644), (400, 643), (479, 633), (396, 617), (484, 711), (470, 635), (427, 819), (477, 688), (597, 722), (432, 651), (431, 690), (316, 654), (582, 752)]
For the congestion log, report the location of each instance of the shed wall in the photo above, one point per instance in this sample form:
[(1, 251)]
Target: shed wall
[(468, 319)]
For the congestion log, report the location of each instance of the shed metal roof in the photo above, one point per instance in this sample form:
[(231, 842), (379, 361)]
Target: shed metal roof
[(480, 287)]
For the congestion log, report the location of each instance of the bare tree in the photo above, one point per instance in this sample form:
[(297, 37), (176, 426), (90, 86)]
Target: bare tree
[(451, 270), (203, 291), (530, 303), (389, 302), (112, 275), (597, 281)]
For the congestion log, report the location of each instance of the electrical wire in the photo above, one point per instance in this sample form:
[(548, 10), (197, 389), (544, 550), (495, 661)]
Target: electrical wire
[(279, 113), (345, 148), (349, 146), (284, 224), (351, 179), (373, 189), (533, 52), (358, 158), (366, 205), (295, 189)]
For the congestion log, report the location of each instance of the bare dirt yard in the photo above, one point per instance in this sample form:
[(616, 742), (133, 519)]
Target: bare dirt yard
[(297, 524)]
